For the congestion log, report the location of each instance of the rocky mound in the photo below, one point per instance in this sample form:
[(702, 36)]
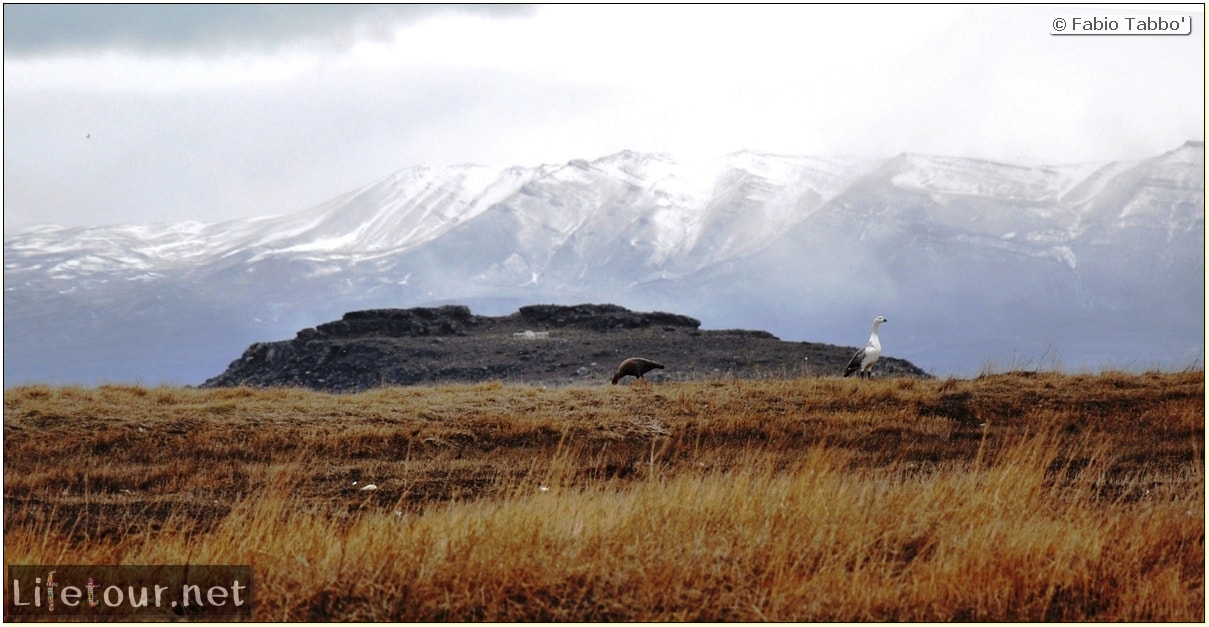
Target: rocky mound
[(549, 344)]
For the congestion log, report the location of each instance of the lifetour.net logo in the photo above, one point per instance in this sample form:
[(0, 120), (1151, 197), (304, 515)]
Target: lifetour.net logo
[(199, 592)]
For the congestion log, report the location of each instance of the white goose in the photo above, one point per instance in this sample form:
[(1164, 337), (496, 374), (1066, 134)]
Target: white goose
[(864, 358)]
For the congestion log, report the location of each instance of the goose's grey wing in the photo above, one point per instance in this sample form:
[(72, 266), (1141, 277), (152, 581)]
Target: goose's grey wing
[(855, 364)]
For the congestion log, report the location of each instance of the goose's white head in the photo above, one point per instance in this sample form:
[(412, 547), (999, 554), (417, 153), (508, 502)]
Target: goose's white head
[(878, 320)]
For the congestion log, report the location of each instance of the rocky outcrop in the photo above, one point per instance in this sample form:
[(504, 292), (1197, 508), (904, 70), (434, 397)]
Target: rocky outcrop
[(548, 344), (602, 317), (416, 322)]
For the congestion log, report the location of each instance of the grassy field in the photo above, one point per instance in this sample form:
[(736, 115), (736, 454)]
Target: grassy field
[(1013, 497)]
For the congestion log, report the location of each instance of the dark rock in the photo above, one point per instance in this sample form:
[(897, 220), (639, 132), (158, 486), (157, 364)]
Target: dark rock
[(419, 321), (548, 344), (602, 317)]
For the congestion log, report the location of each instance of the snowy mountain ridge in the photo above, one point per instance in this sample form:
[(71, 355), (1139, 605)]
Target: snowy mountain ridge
[(753, 240), (677, 203), (420, 204)]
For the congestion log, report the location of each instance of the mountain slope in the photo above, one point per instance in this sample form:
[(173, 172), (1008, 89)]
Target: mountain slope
[(974, 262)]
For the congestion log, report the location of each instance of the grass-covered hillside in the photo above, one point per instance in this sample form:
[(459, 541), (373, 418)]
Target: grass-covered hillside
[(1015, 497)]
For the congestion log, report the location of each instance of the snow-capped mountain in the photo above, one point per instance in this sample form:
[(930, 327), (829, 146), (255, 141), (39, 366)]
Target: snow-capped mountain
[(975, 263)]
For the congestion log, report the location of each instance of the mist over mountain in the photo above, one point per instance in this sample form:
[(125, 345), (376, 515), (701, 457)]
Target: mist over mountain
[(975, 263)]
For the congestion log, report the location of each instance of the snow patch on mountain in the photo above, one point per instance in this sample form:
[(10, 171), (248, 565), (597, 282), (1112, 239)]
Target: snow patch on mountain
[(403, 211), (974, 177)]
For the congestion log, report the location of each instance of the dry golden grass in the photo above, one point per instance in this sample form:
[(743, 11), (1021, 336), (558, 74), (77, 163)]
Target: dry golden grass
[(1008, 497)]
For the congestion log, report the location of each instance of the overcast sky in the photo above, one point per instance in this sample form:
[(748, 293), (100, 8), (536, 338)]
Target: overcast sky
[(155, 113)]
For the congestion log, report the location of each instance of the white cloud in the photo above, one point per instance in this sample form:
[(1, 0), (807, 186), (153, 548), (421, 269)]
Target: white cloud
[(205, 131)]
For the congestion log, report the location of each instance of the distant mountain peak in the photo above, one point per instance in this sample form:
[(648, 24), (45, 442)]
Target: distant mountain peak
[(794, 244)]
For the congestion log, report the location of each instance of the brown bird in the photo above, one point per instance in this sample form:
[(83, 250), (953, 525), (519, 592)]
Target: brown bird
[(636, 367)]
